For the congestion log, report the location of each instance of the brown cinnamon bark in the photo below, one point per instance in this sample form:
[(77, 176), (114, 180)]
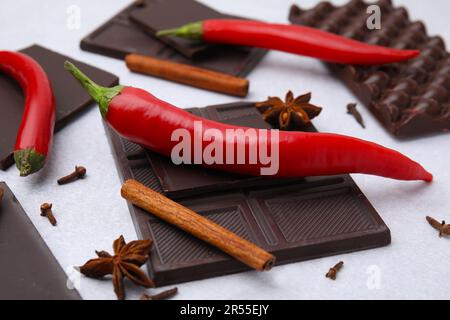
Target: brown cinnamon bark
[(197, 225), (186, 74)]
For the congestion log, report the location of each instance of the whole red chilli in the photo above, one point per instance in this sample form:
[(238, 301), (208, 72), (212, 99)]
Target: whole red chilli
[(295, 39), (35, 135), (140, 117)]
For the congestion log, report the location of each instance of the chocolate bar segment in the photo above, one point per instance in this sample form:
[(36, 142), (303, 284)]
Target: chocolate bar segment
[(160, 15), (70, 97), (295, 219), (121, 36), (28, 269), (410, 98)]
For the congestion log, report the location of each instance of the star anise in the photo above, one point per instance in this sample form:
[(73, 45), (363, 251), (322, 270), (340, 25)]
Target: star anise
[(126, 263), (291, 114)]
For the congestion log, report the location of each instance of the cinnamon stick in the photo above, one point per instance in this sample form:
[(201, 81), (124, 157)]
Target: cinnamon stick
[(197, 225), (186, 74)]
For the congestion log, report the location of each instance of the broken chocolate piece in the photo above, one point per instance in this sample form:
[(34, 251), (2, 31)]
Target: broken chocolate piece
[(159, 15), (29, 271), (121, 36)]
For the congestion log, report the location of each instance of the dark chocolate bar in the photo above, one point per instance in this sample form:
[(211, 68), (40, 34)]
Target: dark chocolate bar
[(410, 98), (121, 36), (28, 269), (295, 219), (159, 15), (71, 98)]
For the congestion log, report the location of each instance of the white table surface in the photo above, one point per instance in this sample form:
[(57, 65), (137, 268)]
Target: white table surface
[(91, 213)]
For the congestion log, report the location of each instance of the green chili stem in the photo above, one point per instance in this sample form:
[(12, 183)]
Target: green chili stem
[(102, 95)]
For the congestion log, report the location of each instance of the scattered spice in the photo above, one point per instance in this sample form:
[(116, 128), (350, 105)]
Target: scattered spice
[(126, 263), (292, 114), (333, 271), (351, 109), (2, 192), (79, 173), (442, 227), (160, 296), (188, 74), (46, 211)]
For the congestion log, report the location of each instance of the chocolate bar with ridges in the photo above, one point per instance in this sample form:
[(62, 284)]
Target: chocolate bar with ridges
[(410, 98), (295, 219)]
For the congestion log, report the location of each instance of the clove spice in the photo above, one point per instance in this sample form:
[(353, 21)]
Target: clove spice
[(79, 173), (351, 109), (46, 211), (442, 227), (334, 270), (160, 296)]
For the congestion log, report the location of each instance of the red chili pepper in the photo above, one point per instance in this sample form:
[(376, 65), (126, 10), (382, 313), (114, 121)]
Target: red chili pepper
[(291, 38), (140, 117), (35, 135)]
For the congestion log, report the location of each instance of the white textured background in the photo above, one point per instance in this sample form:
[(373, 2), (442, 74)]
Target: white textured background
[(91, 213)]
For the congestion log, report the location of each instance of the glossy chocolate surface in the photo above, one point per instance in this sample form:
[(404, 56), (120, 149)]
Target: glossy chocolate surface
[(410, 98)]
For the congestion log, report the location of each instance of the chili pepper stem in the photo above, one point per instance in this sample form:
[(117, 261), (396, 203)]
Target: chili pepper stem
[(191, 31), (28, 161), (102, 95)]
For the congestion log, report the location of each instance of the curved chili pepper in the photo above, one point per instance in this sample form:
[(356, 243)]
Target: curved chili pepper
[(295, 39), (140, 117), (35, 135)]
